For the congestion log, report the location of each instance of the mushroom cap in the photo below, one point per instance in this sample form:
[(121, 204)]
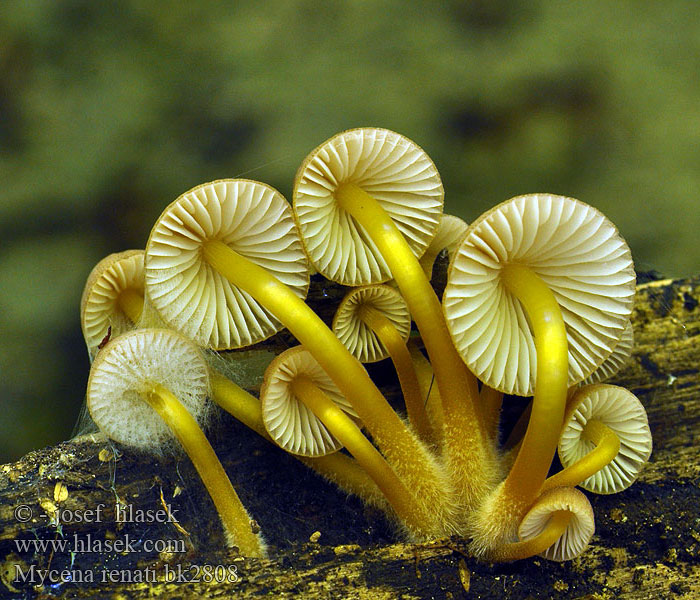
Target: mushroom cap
[(99, 305), (292, 425), (355, 334), (389, 167), (126, 368), (251, 218), (577, 534), (575, 250), (617, 358), (622, 412)]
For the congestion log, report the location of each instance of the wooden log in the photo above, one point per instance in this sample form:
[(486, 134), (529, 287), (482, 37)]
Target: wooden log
[(93, 498)]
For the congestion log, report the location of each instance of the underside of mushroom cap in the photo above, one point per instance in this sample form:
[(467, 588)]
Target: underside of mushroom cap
[(99, 309), (579, 531), (292, 425), (390, 168), (617, 358), (127, 368), (580, 256), (620, 410), (251, 218), (355, 334)]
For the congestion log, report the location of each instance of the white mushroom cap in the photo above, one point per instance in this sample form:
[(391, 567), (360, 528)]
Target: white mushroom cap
[(622, 412), (357, 336), (251, 218), (289, 422), (617, 358), (127, 368), (575, 250), (577, 534), (390, 168), (99, 305)]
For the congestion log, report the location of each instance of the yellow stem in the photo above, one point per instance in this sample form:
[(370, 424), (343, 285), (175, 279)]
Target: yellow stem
[(337, 467), (131, 304), (553, 530), (429, 391), (399, 445), (526, 476), (369, 458), (396, 346), (233, 515), (467, 448), (606, 446), (491, 401)]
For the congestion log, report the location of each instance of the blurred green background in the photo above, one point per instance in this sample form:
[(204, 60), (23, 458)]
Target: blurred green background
[(110, 110)]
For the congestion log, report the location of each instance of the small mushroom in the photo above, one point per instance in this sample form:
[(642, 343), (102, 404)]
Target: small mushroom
[(149, 386), (112, 299), (373, 322), (305, 413), (605, 440), (558, 527)]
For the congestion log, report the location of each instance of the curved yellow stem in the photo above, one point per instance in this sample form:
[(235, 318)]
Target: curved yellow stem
[(337, 467), (402, 449), (526, 476), (467, 448), (607, 445), (396, 346), (233, 515), (369, 458), (553, 530)]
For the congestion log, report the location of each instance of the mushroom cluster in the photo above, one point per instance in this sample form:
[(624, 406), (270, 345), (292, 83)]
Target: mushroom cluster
[(537, 303)]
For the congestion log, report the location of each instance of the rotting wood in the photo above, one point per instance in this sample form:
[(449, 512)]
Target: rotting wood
[(647, 542)]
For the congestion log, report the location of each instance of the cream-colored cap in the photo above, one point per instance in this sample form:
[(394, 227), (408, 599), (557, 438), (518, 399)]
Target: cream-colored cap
[(392, 169), (251, 218)]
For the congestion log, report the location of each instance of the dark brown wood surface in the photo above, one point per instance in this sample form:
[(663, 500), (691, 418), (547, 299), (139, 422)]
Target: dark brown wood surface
[(647, 541)]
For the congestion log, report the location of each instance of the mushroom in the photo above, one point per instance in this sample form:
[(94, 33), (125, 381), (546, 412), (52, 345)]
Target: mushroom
[(373, 322), (605, 440), (368, 202), (538, 294), (221, 254), (559, 527), (450, 231), (112, 299), (305, 413), (150, 385)]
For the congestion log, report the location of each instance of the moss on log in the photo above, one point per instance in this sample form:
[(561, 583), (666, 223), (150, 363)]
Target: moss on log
[(324, 544)]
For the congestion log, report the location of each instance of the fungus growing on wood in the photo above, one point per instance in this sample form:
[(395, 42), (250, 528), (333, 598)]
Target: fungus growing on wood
[(150, 385)]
